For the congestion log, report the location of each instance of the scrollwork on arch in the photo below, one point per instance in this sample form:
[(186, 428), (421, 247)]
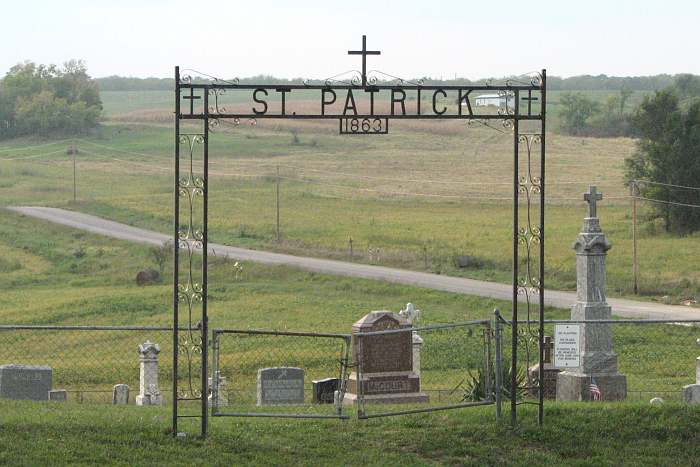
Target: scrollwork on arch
[(529, 234), (216, 107), (190, 238)]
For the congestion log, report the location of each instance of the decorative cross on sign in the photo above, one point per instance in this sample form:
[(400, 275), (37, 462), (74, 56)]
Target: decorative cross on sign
[(592, 197), (191, 98), (364, 52), (529, 100)]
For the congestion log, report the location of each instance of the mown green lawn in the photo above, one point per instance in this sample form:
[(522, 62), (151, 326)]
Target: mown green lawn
[(574, 434)]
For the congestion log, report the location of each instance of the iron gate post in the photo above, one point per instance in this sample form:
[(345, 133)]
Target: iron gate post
[(205, 250), (176, 247), (498, 369), (516, 236), (543, 95)]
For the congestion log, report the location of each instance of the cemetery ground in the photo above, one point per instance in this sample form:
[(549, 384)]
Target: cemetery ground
[(414, 200), (59, 276), (35, 433), (388, 195)]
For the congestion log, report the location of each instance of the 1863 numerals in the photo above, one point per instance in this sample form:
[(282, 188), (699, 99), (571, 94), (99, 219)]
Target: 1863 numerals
[(364, 126)]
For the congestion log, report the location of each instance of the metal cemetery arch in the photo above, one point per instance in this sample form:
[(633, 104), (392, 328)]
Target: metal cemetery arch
[(202, 104)]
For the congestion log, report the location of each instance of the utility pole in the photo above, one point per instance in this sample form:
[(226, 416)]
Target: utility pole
[(278, 203), (634, 192), (74, 149)]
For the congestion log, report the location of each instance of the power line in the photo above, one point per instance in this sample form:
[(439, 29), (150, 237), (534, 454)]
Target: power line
[(667, 202), (667, 184), (153, 167), (34, 156), (24, 148), (125, 151)]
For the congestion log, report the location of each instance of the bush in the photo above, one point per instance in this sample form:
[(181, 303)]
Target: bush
[(475, 389)]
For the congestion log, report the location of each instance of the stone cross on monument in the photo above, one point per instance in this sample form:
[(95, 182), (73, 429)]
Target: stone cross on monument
[(597, 359), (592, 198)]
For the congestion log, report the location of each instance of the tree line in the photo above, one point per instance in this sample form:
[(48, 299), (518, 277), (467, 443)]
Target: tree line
[(554, 83), (45, 99), (666, 164)]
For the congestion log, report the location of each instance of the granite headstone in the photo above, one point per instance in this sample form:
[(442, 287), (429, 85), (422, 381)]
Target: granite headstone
[(25, 382), (58, 395), (120, 394), (597, 358), (324, 390), (280, 385), (385, 361), (550, 372), (149, 393)]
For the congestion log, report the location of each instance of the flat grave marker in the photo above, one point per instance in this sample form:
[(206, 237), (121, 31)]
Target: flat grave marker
[(280, 386)]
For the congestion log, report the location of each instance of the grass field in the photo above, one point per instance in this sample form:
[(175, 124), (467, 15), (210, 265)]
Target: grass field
[(420, 196), (66, 277), (574, 434), (417, 196)]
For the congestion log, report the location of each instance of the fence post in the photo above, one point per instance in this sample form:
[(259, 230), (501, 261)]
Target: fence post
[(488, 389), (497, 370), (214, 398), (635, 192)]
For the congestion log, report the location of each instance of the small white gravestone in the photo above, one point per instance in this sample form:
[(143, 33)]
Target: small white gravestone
[(567, 349), (120, 394), (411, 314), (221, 399), (691, 392), (149, 394), (657, 401)]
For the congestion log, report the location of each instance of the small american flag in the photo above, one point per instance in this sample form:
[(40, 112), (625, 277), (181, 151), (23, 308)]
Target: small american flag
[(596, 395)]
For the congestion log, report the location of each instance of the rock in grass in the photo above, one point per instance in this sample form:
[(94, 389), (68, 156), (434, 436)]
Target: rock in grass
[(147, 277)]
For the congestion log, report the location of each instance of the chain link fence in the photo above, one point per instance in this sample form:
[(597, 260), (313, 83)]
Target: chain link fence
[(658, 357), (316, 375), (279, 374), (422, 369), (85, 361)]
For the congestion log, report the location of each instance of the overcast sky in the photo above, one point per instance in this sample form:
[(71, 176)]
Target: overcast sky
[(310, 38)]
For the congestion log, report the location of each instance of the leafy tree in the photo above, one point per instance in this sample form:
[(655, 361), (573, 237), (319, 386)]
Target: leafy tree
[(45, 99), (668, 153), (625, 94), (687, 86), (577, 109)]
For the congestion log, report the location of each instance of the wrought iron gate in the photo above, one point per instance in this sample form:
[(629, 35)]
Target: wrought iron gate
[(202, 106)]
